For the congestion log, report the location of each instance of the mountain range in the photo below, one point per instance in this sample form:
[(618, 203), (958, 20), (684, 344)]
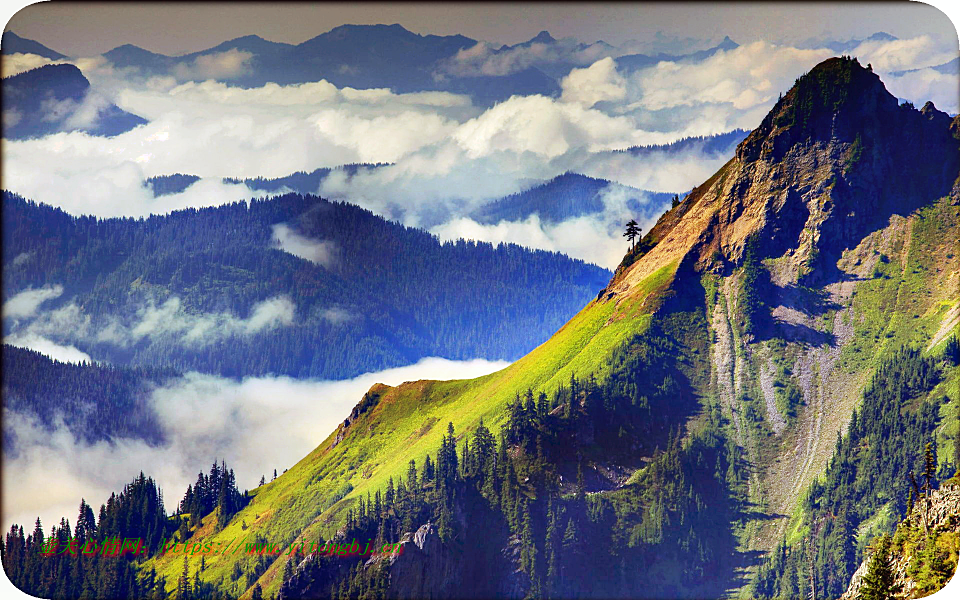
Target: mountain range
[(768, 382), (678, 426), (761, 401), (382, 56)]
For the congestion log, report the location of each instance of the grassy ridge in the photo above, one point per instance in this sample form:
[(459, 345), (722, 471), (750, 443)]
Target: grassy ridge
[(406, 423)]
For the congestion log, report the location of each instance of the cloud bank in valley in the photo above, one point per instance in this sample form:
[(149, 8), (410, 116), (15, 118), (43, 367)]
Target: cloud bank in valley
[(446, 156), (57, 331), (257, 425)]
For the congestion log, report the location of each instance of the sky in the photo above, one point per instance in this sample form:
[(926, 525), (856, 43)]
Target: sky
[(85, 29)]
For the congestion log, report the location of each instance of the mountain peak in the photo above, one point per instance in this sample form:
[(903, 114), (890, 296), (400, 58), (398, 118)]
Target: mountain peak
[(12, 43), (836, 99), (543, 37), (881, 36)]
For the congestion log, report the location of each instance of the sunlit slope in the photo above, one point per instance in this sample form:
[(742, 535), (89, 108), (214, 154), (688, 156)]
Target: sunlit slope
[(406, 422), (826, 243)]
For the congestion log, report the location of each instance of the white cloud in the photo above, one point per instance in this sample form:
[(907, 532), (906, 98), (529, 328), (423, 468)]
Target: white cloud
[(897, 55), (255, 425), (19, 62), (319, 252), (926, 84), (485, 59), (599, 82), (169, 321), (38, 343), (337, 316), (219, 65), (26, 303), (750, 75)]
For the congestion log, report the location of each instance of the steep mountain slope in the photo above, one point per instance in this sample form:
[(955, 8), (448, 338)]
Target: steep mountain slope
[(292, 285), (774, 289), (55, 98)]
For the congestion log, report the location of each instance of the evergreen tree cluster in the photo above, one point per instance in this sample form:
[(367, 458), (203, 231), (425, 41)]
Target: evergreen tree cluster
[(218, 490), (65, 571), (873, 466)]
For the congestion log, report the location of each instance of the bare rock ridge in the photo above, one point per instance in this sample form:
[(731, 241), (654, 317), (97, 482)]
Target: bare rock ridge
[(821, 171)]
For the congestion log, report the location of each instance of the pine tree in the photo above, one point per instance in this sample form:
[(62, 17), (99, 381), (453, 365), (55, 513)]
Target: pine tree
[(632, 232), (929, 467), (879, 582), (183, 584)]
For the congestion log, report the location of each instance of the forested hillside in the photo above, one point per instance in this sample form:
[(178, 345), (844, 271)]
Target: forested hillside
[(56, 98), (96, 401), (370, 294)]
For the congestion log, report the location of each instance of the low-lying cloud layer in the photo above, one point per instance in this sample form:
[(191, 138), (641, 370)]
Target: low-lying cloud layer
[(447, 156), (257, 425), (55, 332), (596, 238)]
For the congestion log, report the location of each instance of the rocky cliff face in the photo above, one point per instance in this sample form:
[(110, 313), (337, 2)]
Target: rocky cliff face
[(822, 190), (822, 171), (938, 514)]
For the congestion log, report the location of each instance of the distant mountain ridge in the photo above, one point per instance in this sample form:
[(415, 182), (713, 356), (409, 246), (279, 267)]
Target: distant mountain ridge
[(634, 62), (354, 293), (568, 196), (12, 43), (390, 56), (57, 97)]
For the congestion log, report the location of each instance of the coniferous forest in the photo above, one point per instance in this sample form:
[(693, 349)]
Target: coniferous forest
[(380, 295)]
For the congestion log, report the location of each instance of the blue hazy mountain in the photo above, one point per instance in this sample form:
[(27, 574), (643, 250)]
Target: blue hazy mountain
[(128, 55), (846, 46), (948, 68), (381, 295), (567, 196), (635, 62), (387, 56), (48, 99), (14, 44)]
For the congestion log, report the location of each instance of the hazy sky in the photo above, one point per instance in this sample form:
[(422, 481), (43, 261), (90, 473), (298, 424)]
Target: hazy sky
[(86, 29)]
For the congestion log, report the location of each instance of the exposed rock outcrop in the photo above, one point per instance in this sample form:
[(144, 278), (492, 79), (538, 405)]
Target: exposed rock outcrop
[(941, 512)]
